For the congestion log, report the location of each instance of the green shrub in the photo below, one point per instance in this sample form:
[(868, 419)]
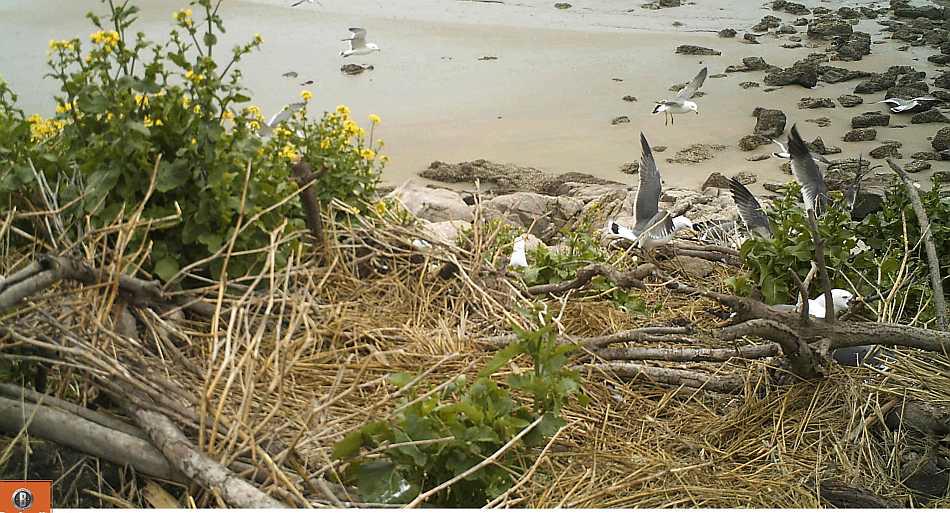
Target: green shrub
[(129, 103), (469, 423)]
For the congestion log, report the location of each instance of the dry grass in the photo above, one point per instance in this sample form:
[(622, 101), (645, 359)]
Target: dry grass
[(294, 359)]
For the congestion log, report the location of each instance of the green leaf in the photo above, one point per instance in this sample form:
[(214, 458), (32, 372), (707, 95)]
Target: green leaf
[(210, 39), (349, 446), (212, 241), (135, 126), (400, 379), (166, 268), (501, 359), (383, 482)]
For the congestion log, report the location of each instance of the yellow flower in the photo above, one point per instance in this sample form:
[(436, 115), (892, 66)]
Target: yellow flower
[(151, 122), (194, 77), (374, 119), (41, 129), (227, 114), (306, 95), (197, 109), (66, 107), (254, 125), (384, 159), (253, 112), (185, 101), (109, 116), (380, 207), (106, 39), (351, 128), (343, 110), (141, 100), (258, 39), (62, 44), (289, 152), (194, 141), (183, 16), (368, 154), (324, 144)]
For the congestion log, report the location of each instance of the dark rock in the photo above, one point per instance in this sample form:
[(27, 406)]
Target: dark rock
[(943, 81), (907, 91), (800, 22), (630, 168), (940, 177), (828, 27), (565, 5), (748, 85), (940, 59), (874, 84), (917, 166), (865, 204), (751, 64), (867, 12), (821, 11), (727, 32), (767, 23), (941, 140), (717, 180), (821, 122), (777, 188), (629, 98), (911, 78), (925, 155), (928, 11), (852, 47), (620, 120), (670, 3), (850, 100), (750, 38), (815, 58), (660, 149), (355, 69), (770, 123), (860, 134), (833, 75), (745, 177), (696, 50), (801, 73), (786, 167), (941, 95), (818, 146), (869, 119), (816, 103), (792, 46), (751, 142), (930, 116), (790, 7), (887, 150), (786, 29), (848, 13), (758, 157)]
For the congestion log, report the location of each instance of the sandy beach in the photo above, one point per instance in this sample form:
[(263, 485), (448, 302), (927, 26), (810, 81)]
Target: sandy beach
[(546, 102)]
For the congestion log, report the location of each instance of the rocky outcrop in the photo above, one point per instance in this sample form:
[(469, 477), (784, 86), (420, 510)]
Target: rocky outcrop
[(770, 123), (860, 134), (834, 74), (727, 33), (850, 100), (816, 103), (803, 73), (432, 204), (828, 27), (869, 119), (547, 214), (930, 116), (751, 64), (886, 150), (696, 50), (751, 142), (852, 47), (941, 140)]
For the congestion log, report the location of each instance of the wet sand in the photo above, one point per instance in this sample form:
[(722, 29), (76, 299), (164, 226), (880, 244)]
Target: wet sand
[(546, 102)]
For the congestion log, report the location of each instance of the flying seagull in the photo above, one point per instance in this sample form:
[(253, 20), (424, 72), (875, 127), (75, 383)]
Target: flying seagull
[(814, 190), (681, 103), (750, 211), (785, 155), (298, 2), (654, 226), (281, 117), (902, 106), (358, 44)]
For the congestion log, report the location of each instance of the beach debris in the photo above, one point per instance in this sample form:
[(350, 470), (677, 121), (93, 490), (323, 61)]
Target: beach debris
[(619, 120), (629, 98), (488, 58), (562, 5), (355, 69), (696, 50), (748, 85), (290, 74), (696, 153)]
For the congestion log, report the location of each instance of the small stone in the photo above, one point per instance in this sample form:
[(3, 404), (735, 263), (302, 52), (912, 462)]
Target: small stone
[(751, 142), (869, 119), (677, 23), (745, 177), (750, 38), (777, 188), (758, 157), (717, 180), (629, 98), (787, 29), (620, 120), (727, 32), (850, 100), (860, 134), (630, 168), (925, 155), (770, 123), (930, 116), (792, 46), (659, 149), (941, 140), (696, 50), (670, 3), (821, 122), (800, 22), (917, 166), (718, 75), (748, 85), (816, 103), (562, 5)]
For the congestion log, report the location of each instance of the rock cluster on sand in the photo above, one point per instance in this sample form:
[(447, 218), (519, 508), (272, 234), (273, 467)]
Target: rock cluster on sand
[(828, 27), (917, 166), (770, 123), (850, 100), (889, 149), (751, 64), (816, 103), (860, 134), (696, 50), (727, 32), (941, 140), (751, 142), (930, 116), (869, 119), (803, 73)]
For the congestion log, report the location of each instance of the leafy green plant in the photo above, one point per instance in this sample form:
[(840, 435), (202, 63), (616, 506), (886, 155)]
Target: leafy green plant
[(432, 440), (128, 103)]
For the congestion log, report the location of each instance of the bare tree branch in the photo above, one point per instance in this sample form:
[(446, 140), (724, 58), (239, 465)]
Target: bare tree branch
[(830, 315), (632, 279), (697, 354), (676, 377)]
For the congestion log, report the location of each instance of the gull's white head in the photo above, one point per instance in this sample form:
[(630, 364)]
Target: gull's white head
[(841, 299), (681, 222), (691, 105), (372, 46)]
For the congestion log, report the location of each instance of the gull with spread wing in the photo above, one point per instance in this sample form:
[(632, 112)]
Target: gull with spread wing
[(807, 174), (681, 103), (358, 44), (750, 211)]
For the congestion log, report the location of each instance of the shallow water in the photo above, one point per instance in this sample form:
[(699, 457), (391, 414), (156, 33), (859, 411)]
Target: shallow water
[(546, 102)]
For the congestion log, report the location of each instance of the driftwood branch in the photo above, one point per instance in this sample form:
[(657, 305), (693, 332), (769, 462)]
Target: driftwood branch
[(198, 467), (841, 495), (632, 279), (649, 334), (676, 377), (830, 315), (697, 354), (308, 199), (83, 435), (940, 304)]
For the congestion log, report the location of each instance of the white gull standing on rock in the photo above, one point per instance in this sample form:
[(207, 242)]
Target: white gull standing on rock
[(654, 226), (681, 103), (358, 44)]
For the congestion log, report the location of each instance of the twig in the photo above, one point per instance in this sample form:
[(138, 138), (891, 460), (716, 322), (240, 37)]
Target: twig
[(628, 279), (311, 205), (940, 304), (15, 392), (822, 269), (675, 377), (527, 475), (649, 334), (698, 354), (475, 468)]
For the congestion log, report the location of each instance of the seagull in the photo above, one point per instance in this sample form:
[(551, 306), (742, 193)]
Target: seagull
[(681, 104), (785, 155), (519, 256), (298, 2), (290, 74), (281, 117), (750, 211), (902, 106), (814, 190), (840, 300), (358, 44), (654, 226)]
